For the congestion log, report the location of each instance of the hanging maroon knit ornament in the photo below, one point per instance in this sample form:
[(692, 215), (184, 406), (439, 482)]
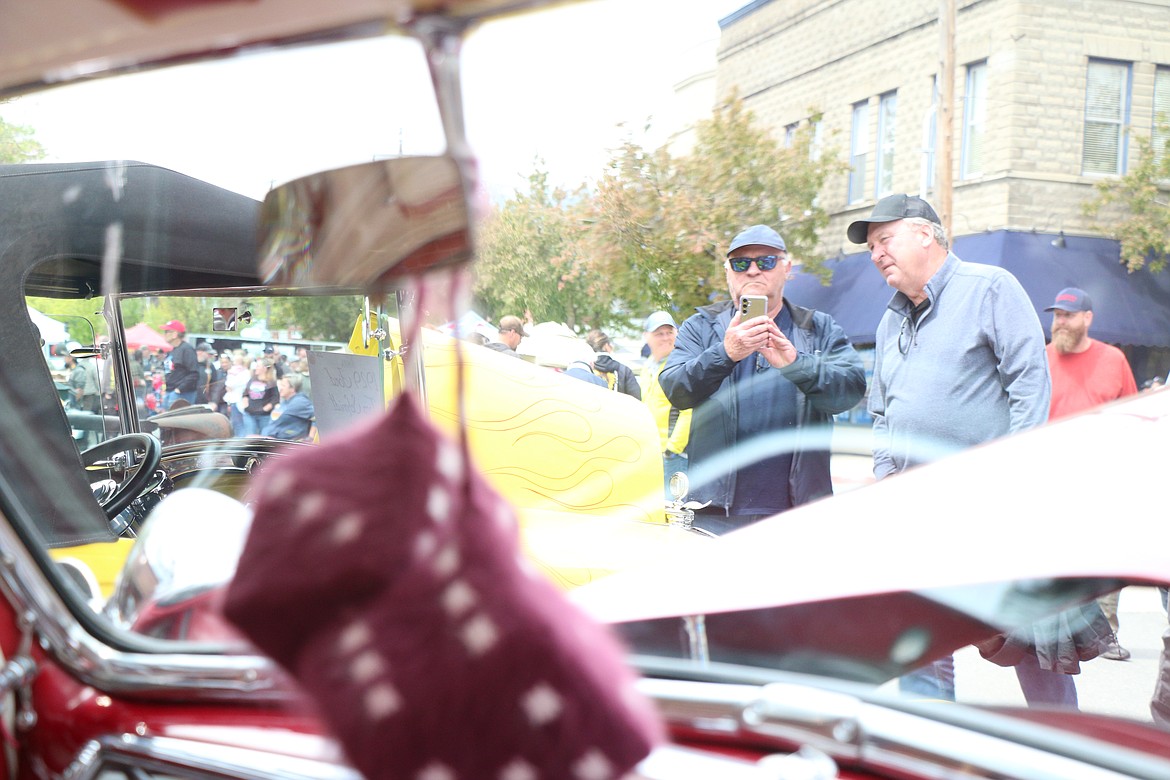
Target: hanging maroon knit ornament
[(385, 574)]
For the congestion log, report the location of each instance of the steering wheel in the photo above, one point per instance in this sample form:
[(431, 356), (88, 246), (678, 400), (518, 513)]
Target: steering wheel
[(129, 489)]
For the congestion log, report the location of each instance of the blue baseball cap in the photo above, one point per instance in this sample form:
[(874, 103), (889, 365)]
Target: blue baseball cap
[(758, 234), (657, 320), (1072, 299)]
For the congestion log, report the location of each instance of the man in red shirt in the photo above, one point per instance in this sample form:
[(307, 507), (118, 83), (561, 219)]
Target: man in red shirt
[(1085, 373)]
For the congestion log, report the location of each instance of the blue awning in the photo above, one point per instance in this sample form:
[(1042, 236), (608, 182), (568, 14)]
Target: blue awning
[(1129, 309)]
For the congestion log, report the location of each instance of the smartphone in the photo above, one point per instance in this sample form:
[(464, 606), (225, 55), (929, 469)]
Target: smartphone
[(752, 306)]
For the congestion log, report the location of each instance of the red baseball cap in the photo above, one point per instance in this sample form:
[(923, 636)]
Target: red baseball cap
[(176, 326)]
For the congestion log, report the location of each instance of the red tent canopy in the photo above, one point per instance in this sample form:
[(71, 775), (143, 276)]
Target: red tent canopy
[(142, 335)]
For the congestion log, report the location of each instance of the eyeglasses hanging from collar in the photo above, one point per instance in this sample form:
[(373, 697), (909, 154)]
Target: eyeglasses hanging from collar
[(907, 334)]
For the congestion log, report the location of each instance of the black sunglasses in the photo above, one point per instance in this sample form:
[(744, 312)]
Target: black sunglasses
[(763, 262)]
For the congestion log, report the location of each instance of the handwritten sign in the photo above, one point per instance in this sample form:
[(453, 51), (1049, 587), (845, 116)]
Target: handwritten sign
[(345, 388)]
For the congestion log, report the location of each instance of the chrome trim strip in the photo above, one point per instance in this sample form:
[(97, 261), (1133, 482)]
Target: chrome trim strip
[(176, 674), (168, 754), (858, 728)]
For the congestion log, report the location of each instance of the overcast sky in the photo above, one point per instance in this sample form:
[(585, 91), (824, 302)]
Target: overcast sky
[(553, 85)]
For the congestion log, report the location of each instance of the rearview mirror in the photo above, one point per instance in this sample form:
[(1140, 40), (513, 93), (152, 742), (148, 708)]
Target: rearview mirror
[(364, 225), (227, 319)]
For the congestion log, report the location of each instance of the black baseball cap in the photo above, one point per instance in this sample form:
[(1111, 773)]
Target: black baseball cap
[(890, 209)]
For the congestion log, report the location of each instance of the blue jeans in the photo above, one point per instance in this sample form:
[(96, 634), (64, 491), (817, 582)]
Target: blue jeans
[(936, 680), (1043, 687), (237, 421), (253, 423), (174, 395)]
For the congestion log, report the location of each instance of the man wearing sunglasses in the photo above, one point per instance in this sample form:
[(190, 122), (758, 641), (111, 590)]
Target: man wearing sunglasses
[(959, 360), (757, 388)]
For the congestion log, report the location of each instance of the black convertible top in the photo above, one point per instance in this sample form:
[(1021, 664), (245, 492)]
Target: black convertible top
[(176, 232), (57, 224)]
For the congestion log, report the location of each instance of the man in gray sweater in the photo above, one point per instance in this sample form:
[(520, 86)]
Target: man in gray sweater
[(960, 351), (959, 361)]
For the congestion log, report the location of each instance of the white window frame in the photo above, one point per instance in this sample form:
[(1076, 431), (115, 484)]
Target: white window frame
[(883, 176), (1107, 100), (930, 138), (1160, 135), (858, 151), (790, 134), (974, 120)]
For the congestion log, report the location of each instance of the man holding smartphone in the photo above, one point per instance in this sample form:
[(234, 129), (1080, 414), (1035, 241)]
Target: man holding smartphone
[(759, 386)]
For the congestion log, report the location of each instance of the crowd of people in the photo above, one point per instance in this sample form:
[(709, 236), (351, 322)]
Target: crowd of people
[(960, 359), (264, 394)]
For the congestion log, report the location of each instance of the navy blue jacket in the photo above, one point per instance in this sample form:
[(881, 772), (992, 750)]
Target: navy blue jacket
[(828, 375), (295, 420)]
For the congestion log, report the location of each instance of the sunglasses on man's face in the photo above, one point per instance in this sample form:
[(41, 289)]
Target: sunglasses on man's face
[(763, 262)]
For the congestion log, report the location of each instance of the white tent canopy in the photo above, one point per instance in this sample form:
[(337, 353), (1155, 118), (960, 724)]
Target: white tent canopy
[(52, 331)]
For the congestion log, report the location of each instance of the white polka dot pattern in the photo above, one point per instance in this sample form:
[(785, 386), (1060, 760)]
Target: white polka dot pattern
[(347, 528), (382, 701), (424, 545), (424, 557), (479, 635), (458, 598), (518, 769), (593, 766), (436, 771), (280, 484), (311, 507), (354, 637), (542, 704), (439, 504), (367, 666), (449, 461), (447, 561)]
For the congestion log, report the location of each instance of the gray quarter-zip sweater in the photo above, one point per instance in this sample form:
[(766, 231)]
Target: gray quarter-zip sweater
[(971, 369)]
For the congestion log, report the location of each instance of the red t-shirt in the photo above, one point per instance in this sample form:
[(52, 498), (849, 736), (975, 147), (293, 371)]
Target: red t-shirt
[(1083, 380)]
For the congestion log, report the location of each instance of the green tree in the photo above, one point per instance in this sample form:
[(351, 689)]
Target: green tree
[(17, 144), (1136, 207), (661, 224), (531, 257), (319, 317)]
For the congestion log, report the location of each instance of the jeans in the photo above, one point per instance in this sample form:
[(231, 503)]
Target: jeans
[(174, 395), (252, 423), (237, 418), (1042, 687), (936, 680)]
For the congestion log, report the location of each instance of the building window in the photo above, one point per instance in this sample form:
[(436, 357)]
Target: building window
[(1106, 112), (817, 146), (1161, 133), (883, 182), (858, 149), (974, 119), (790, 134), (930, 139)]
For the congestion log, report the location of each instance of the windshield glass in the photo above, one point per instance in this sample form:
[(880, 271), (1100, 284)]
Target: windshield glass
[(214, 265)]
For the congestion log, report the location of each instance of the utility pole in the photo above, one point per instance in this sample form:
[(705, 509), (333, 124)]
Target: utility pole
[(944, 165)]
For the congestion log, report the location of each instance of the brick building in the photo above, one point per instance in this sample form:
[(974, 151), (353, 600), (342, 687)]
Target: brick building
[(1047, 95)]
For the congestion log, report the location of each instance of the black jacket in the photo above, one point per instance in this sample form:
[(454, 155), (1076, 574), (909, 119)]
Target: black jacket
[(698, 375), (624, 379)]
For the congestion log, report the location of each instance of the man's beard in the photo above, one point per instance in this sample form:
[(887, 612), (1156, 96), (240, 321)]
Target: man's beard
[(1066, 339)]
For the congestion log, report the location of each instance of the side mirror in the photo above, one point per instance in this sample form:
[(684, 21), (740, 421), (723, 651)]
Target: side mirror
[(361, 226)]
